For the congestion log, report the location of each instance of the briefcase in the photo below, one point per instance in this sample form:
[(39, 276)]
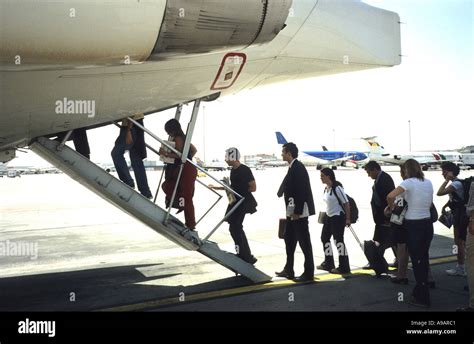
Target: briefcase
[(282, 228)]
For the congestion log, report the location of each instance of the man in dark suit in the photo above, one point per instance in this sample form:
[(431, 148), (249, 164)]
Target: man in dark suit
[(299, 206), (383, 185)]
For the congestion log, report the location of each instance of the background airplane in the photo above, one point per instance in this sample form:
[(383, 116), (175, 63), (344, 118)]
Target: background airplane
[(214, 165), (452, 156), (426, 159), (327, 158)]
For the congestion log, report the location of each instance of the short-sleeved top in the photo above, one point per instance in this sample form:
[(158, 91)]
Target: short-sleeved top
[(333, 207), (457, 185), (419, 196), (239, 182)]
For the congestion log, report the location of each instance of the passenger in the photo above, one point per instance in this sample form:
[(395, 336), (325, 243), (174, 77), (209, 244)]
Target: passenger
[(131, 138), (299, 204), (419, 196), (400, 238), (185, 191), (243, 182), (455, 191), (81, 142), (383, 185), (470, 251), (338, 217)]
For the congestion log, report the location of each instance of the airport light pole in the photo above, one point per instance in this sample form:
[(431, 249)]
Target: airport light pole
[(409, 134)]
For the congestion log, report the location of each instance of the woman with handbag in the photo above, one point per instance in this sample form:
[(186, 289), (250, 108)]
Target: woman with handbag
[(336, 217), (418, 193)]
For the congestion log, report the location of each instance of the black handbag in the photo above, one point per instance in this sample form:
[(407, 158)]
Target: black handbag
[(433, 213), (447, 218)]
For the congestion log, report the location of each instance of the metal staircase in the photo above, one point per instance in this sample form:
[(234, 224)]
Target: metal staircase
[(122, 196)]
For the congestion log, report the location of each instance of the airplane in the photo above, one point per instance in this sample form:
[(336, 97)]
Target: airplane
[(378, 153), (453, 156), (155, 58), (213, 165), (326, 158), (271, 163), (67, 65)]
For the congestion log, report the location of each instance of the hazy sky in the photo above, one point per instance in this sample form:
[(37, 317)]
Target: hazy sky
[(433, 87)]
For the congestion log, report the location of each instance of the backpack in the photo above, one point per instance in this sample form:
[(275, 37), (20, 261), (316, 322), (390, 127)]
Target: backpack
[(466, 186), (352, 207)]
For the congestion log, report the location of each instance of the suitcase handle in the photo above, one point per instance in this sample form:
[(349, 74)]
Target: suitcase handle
[(356, 237)]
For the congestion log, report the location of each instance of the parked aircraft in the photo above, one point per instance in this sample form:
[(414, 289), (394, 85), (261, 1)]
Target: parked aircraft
[(326, 158)]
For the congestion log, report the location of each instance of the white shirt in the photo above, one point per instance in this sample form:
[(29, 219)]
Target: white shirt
[(333, 207), (419, 196)]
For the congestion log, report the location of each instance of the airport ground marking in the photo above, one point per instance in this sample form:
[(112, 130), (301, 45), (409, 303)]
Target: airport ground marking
[(273, 285)]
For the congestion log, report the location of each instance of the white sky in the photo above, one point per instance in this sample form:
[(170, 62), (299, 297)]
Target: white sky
[(433, 87)]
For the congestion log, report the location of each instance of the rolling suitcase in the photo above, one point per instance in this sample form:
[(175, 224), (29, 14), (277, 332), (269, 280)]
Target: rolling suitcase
[(373, 253)]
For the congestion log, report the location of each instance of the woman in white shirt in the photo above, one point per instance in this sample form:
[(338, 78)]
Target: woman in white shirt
[(338, 216), (419, 196)]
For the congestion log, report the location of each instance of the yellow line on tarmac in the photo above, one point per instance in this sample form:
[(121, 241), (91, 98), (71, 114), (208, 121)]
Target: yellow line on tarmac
[(183, 298), (442, 260)]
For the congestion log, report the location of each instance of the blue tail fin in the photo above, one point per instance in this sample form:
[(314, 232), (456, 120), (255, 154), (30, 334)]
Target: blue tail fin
[(280, 138)]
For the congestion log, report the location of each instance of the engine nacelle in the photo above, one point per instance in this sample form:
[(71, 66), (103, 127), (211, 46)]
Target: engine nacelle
[(194, 27), (77, 32)]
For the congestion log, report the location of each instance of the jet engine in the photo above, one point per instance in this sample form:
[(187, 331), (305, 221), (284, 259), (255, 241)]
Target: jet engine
[(194, 27)]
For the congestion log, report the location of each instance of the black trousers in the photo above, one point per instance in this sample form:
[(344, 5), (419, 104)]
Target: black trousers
[(334, 227), (238, 235), (81, 143), (297, 231), (420, 234)]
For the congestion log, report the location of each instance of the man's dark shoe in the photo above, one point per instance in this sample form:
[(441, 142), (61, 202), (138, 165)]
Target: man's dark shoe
[(285, 274), (325, 266), (304, 278), (252, 260)]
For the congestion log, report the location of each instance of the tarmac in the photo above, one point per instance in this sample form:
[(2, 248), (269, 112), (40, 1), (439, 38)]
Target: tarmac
[(86, 255)]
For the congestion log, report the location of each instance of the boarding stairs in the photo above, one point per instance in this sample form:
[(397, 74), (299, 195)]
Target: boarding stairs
[(128, 200)]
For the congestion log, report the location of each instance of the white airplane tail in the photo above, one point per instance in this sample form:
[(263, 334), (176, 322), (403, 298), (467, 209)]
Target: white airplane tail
[(375, 148)]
